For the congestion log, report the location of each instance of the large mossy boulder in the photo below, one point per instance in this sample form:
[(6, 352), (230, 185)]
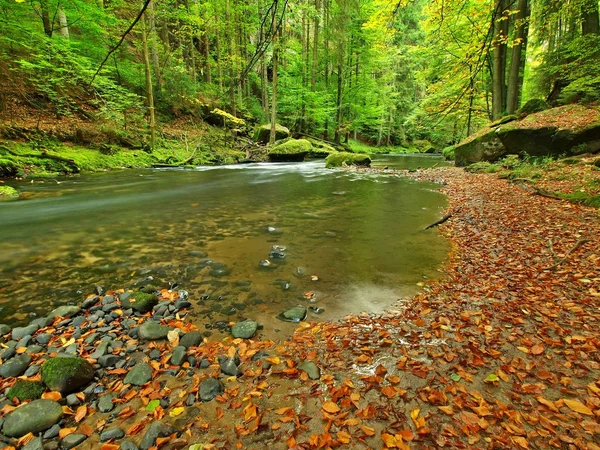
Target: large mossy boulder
[(341, 159), (34, 417), (534, 105), (26, 390), (7, 192), (66, 375), (262, 134), (320, 149), (483, 146), (293, 150), (221, 118)]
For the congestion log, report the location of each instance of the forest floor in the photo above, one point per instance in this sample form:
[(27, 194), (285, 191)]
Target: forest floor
[(500, 353)]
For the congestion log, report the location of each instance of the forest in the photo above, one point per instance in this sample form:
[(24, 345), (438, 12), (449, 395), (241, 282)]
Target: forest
[(299, 224), (378, 72)]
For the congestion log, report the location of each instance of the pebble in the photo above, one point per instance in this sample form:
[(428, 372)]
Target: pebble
[(52, 432), (105, 404), (21, 332), (113, 433), (73, 440), (156, 430)]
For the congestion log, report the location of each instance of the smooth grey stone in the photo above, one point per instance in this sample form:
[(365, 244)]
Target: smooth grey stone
[(108, 299), (35, 444), (108, 360), (128, 445), (33, 349), (154, 354), (121, 364), (43, 338), (191, 399), (105, 404), (15, 366), (72, 349), (72, 440), (78, 321), (65, 311), (10, 351), (107, 338), (32, 370), (91, 338), (229, 367), (245, 329), (313, 371), (34, 417), (108, 308), (156, 430), (89, 302), (160, 310), (131, 348), (182, 304), (204, 364), (100, 350), (72, 400), (25, 341), (106, 329), (178, 356), (63, 323), (116, 344), (4, 328), (21, 332), (191, 339), (42, 322), (139, 375), (113, 433), (210, 388), (295, 314), (259, 355), (152, 330), (52, 432)]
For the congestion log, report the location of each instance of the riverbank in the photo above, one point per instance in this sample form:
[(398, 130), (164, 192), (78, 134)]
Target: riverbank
[(501, 353)]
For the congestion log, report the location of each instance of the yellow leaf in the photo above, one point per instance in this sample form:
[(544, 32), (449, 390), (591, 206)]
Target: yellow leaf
[(577, 406), (177, 411), (331, 407), (173, 337)]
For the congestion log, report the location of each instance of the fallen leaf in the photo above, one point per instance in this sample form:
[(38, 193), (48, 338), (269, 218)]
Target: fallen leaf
[(331, 407), (577, 406)]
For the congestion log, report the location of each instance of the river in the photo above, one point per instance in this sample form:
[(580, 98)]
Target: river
[(353, 240)]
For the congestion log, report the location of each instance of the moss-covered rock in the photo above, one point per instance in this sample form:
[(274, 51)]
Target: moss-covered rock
[(534, 105), (8, 193), (347, 159), (142, 302), (320, 149), (448, 153), (292, 150), (8, 168), (66, 375), (222, 118), (262, 133), (26, 390), (481, 147)]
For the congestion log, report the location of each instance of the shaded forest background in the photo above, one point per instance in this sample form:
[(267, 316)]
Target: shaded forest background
[(381, 72)]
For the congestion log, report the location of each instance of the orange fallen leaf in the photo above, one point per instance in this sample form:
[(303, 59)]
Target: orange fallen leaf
[(368, 430), (64, 432), (54, 395), (343, 437), (331, 407), (86, 429), (110, 447), (81, 413), (537, 349)]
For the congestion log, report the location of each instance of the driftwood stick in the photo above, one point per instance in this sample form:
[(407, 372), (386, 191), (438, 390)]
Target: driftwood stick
[(439, 222), (578, 244)]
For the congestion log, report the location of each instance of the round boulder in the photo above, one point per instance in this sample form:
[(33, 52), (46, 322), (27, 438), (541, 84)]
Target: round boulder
[(34, 417), (66, 375)]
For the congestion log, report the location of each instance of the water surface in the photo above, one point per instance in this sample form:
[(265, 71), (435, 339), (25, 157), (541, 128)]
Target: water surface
[(207, 229)]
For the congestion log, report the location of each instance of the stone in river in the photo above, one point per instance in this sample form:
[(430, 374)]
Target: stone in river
[(105, 404), (152, 330), (295, 314), (139, 375), (4, 328), (191, 339), (245, 329), (128, 445), (229, 366), (35, 444), (72, 440), (108, 360), (311, 369), (65, 311), (34, 417), (67, 374), (15, 366), (140, 301), (210, 388), (21, 332), (113, 433)]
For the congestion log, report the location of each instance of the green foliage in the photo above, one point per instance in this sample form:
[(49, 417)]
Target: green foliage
[(448, 153), (8, 192)]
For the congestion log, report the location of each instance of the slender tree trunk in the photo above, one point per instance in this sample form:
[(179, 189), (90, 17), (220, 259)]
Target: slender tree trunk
[(62, 21), (274, 91), (206, 48), (591, 22), (231, 49), (315, 49), (46, 18), (149, 93), (340, 93), (515, 77), (219, 63), (326, 45), (154, 45), (499, 61)]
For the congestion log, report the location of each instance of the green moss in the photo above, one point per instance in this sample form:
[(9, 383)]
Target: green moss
[(26, 390), (292, 150), (140, 301), (480, 167), (448, 153), (8, 192), (66, 374), (534, 105), (262, 133), (347, 159), (320, 149)]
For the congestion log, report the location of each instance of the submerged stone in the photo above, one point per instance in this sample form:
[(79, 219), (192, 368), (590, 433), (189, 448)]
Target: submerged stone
[(152, 330), (34, 417), (15, 366), (210, 388), (139, 375), (245, 329)]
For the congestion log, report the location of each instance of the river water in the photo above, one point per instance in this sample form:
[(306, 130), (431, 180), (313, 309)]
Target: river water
[(206, 229)]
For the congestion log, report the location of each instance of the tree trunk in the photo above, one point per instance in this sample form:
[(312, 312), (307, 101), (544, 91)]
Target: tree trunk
[(515, 77), (591, 22), (62, 21), (313, 82), (499, 61), (274, 90), (207, 70), (219, 63), (154, 45), (149, 93), (46, 18), (340, 92)]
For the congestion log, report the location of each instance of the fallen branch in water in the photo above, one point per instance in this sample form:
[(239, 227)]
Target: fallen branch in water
[(439, 222), (578, 244)]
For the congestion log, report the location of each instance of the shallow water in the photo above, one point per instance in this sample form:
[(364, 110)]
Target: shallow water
[(358, 233)]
